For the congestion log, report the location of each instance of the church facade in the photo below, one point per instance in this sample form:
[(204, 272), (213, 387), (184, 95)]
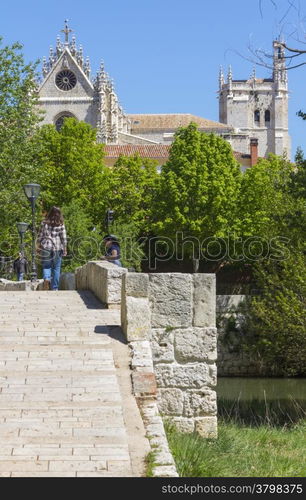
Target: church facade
[(248, 109)]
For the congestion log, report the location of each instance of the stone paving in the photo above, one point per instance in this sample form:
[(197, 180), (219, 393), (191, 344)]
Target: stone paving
[(61, 392)]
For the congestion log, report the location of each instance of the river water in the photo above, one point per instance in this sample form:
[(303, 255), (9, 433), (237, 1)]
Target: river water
[(234, 388)]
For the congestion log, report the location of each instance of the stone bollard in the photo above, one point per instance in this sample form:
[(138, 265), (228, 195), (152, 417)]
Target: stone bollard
[(104, 279)]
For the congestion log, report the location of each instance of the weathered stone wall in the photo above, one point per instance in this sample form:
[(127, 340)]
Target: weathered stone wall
[(170, 317), (103, 278)]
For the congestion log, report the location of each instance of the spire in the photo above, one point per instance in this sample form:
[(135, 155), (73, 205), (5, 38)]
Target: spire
[(230, 80), (230, 75), (59, 48), (87, 69), (51, 56), (279, 62), (66, 31), (253, 76), (73, 48), (101, 76), (45, 67), (80, 56), (221, 77)]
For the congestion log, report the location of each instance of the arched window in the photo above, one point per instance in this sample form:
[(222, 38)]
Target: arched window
[(257, 117), (267, 117), (59, 119)]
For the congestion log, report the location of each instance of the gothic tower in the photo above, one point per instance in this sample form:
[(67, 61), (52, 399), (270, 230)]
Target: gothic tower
[(68, 91), (258, 108)]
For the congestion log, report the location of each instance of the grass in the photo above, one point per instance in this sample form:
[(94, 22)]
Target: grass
[(150, 463), (255, 439), (241, 451), (258, 412)]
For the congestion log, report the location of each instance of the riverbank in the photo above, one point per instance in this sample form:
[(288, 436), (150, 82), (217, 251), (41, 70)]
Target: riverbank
[(241, 451)]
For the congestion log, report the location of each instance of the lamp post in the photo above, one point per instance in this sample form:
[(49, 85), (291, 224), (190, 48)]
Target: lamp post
[(32, 192), (21, 228), (109, 218)]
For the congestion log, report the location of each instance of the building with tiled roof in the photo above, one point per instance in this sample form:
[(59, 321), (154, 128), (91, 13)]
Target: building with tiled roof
[(249, 109)]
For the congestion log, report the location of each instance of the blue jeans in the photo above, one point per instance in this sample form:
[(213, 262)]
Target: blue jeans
[(20, 276), (51, 265)]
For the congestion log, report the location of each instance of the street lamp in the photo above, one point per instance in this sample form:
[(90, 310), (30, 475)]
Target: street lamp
[(21, 228), (109, 218), (32, 192)]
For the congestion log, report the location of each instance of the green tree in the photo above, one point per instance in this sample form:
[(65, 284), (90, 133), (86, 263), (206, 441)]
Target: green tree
[(199, 187), (84, 242), (131, 249), (18, 120), (134, 181), (299, 176), (275, 320), (72, 167), (264, 199)]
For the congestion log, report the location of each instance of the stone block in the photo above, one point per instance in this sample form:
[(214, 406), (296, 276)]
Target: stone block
[(136, 284), (135, 318), (207, 427), (200, 403), (162, 345), (103, 279), (144, 384), (204, 300), (183, 424), (186, 376), (164, 471), (141, 354), (81, 278), (67, 281), (170, 297), (195, 344), (170, 401)]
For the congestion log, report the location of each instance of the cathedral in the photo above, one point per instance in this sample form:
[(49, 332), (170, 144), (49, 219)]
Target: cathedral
[(253, 113)]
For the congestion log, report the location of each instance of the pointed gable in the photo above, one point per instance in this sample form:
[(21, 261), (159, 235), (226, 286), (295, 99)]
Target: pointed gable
[(66, 62)]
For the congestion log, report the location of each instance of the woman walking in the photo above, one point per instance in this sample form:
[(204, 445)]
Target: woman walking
[(52, 243)]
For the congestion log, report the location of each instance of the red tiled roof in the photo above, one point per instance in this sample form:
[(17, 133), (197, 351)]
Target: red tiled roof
[(154, 151), (144, 150)]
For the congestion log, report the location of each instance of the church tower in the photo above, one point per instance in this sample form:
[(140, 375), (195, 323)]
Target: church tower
[(258, 108), (67, 90)]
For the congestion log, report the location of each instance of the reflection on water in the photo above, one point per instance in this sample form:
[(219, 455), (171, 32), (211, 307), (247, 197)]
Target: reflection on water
[(261, 388)]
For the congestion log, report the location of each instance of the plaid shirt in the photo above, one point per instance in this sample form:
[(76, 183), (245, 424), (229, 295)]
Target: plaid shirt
[(52, 237)]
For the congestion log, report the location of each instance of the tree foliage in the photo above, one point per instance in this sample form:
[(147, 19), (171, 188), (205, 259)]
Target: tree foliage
[(199, 187), (264, 199), (275, 322), (133, 183), (72, 167), (18, 121)]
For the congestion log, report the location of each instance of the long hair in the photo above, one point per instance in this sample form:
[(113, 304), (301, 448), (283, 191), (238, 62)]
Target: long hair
[(55, 217)]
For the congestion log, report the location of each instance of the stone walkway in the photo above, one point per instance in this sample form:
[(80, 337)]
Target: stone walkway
[(66, 407)]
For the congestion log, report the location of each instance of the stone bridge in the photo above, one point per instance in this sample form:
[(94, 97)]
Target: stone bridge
[(85, 374)]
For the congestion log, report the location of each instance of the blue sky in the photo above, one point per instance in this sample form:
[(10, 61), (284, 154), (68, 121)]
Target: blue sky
[(164, 55)]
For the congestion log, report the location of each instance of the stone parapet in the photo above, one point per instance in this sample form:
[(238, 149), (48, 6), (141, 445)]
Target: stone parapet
[(169, 320), (103, 278), (20, 286)]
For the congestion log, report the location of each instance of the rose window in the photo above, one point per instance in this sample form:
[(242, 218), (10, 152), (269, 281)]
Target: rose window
[(65, 80)]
